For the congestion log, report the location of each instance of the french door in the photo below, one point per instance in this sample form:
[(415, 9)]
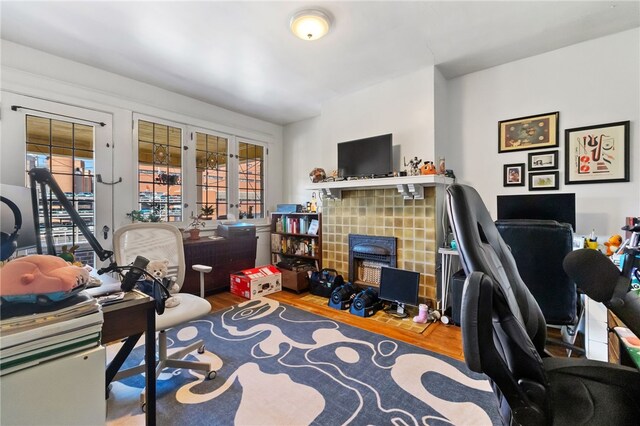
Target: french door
[(75, 145)]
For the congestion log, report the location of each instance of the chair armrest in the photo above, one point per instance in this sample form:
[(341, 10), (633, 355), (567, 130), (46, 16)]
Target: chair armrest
[(203, 269)]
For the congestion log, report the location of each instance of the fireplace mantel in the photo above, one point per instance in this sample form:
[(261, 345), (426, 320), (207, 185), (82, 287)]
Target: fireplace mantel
[(411, 187)]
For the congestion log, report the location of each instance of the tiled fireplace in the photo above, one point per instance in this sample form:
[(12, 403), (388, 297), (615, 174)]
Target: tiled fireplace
[(383, 212)]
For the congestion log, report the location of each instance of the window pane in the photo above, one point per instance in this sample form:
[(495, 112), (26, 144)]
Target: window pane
[(250, 180), (67, 149), (159, 171), (211, 175)]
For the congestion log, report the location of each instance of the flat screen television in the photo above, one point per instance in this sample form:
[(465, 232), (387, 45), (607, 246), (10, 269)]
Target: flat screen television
[(400, 287), (370, 157), (558, 207)]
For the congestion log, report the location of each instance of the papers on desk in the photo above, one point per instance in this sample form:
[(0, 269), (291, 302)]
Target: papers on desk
[(32, 333)]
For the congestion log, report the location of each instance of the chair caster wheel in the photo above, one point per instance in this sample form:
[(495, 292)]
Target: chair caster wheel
[(201, 349), (212, 375)]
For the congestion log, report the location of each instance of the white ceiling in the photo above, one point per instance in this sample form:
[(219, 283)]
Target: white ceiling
[(241, 55)]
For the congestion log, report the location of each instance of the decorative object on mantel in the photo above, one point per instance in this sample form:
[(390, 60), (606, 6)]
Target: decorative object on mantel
[(513, 175), (194, 227), (317, 175), (532, 132), (428, 168), (597, 154), (414, 165)]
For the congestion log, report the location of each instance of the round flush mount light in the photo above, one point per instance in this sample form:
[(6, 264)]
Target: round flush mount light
[(310, 24)]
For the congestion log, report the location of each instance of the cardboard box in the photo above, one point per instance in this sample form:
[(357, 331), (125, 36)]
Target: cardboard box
[(256, 282), (296, 281)]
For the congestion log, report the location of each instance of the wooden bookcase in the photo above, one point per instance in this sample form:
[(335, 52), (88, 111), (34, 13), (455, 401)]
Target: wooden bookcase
[(290, 237)]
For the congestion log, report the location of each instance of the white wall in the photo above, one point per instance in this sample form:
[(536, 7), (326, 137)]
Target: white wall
[(590, 83), (36, 74), (403, 106)]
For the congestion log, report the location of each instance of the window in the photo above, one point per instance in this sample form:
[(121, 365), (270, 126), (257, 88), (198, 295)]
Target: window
[(250, 180), (209, 174), (159, 171), (67, 150), (212, 173)]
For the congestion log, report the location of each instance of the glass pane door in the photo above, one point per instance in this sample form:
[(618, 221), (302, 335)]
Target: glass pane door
[(159, 172), (251, 162), (212, 172)]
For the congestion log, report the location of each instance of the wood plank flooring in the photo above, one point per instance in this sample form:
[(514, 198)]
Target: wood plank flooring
[(440, 338)]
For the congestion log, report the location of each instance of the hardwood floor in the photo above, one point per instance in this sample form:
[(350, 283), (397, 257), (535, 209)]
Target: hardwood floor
[(440, 338)]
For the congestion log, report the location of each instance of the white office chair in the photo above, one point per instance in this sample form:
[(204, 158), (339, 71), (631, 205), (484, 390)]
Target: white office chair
[(158, 241)]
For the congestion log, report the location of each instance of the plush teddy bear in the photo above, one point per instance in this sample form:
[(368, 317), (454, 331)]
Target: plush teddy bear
[(159, 269), (41, 278), (613, 244)]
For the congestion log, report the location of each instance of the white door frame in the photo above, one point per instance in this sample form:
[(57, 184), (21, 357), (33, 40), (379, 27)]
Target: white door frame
[(13, 149)]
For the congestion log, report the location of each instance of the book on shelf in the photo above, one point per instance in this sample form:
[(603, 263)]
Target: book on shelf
[(313, 227)]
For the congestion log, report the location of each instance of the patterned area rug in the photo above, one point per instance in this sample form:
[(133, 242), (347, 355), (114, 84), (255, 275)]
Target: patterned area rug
[(380, 316), (278, 365)]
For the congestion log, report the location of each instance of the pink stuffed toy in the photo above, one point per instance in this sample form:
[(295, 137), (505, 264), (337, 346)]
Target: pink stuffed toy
[(41, 278)]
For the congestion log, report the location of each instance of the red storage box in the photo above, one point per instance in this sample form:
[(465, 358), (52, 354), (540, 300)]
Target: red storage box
[(256, 282)]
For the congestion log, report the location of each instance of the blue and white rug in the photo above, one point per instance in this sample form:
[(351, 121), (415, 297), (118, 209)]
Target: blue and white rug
[(278, 365)]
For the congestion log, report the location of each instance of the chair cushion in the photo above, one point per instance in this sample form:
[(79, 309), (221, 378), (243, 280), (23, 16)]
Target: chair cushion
[(191, 307), (592, 392)]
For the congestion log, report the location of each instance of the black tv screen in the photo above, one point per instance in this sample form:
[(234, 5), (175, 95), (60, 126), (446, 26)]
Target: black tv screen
[(398, 285), (366, 157), (558, 207)]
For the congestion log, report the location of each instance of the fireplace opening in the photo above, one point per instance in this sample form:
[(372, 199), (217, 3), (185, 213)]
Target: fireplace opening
[(367, 255)]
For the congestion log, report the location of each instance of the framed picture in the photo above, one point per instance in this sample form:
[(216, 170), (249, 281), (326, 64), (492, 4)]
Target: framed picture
[(546, 160), (533, 132), (542, 181), (513, 175), (597, 154)]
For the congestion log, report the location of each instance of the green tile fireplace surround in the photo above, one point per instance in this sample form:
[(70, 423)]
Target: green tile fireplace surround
[(384, 212)]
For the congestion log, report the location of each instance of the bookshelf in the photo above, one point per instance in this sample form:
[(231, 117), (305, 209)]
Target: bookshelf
[(296, 236)]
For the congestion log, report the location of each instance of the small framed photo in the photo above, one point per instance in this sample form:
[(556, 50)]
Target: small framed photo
[(547, 160), (513, 175), (543, 181), (532, 132), (597, 154)]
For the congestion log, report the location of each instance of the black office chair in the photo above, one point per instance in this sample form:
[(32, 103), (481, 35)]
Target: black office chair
[(504, 333), (539, 248)]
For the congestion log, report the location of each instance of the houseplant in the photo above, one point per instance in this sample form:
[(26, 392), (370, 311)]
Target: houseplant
[(193, 228), (207, 212)]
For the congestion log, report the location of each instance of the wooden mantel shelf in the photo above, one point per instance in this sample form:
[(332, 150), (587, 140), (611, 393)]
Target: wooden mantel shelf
[(411, 187)]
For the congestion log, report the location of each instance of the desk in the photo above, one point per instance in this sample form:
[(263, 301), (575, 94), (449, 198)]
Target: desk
[(130, 318), (449, 257)]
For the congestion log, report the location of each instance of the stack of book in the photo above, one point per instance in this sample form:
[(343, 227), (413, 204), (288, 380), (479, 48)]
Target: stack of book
[(31, 334)]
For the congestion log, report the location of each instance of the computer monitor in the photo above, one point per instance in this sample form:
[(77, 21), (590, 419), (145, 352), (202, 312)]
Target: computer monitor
[(400, 287), (21, 197)]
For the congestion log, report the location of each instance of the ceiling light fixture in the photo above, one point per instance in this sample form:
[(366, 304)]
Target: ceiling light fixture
[(310, 24)]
